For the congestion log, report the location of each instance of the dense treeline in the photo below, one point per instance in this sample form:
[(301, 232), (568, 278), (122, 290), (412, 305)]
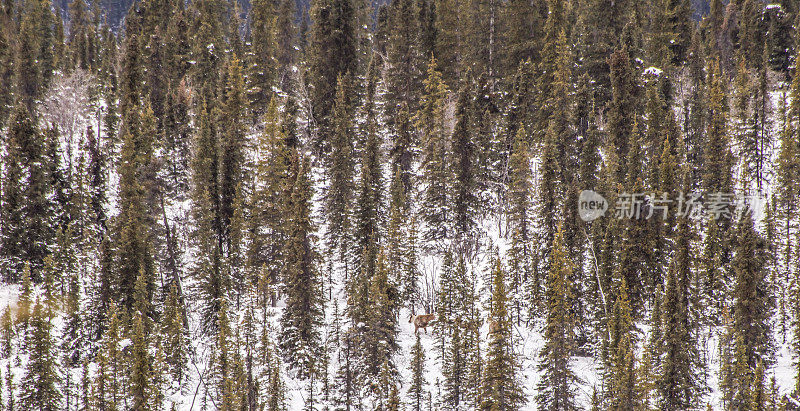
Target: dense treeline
[(211, 200)]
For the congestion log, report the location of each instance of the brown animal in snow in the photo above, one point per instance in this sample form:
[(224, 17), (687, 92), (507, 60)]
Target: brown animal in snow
[(494, 327), (421, 321)]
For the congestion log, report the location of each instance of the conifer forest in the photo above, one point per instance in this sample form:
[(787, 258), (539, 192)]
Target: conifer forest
[(392, 205)]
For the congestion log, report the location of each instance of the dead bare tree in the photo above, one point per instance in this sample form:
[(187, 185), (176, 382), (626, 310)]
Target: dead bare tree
[(67, 106)]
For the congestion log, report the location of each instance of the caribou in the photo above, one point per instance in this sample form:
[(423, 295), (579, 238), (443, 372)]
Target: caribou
[(421, 321)]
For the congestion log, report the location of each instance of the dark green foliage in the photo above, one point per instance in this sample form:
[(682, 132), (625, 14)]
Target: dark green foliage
[(717, 158), (332, 53), (141, 366), (379, 338), (677, 383), (300, 340), (623, 108), (418, 388), (175, 341), (341, 171), (41, 379), (73, 336), (501, 388), (753, 297), (231, 144), (367, 218), (177, 140), (521, 254), (556, 389), (7, 55), (523, 33), (34, 59), (463, 170), (273, 175), (134, 252), (405, 57), (430, 123), (620, 351), (262, 64), (600, 24), (208, 46), (28, 218)]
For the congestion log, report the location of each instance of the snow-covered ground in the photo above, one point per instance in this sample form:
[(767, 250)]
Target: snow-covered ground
[(528, 339)]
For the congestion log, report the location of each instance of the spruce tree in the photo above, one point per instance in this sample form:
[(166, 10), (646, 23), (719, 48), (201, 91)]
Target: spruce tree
[(348, 374), (379, 338), (411, 274), (521, 253), (623, 107), (417, 390), (500, 383), (694, 117), (677, 381), (463, 184), (753, 303), (73, 334), (223, 363), (450, 39), (276, 395), (262, 70), (28, 226), (454, 371), (9, 382), (207, 46), (454, 311), (339, 194), (28, 73), (448, 298), (430, 123), (141, 366), (796, 344), (273, 179), (24, 304), (13, 240), (556, 389), (302, 317), (740, 379), (208, 225), (405, 58), (134, 247), (552, 78), (40, 382), (7, 71), (549, 199), (621, 390), (332, 53), (599, 26), (403, 151), (285, 34), (174, 336), (523, 33), (368, 215), (397, 241), (232, 140), (717, 158), (758, 397)]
